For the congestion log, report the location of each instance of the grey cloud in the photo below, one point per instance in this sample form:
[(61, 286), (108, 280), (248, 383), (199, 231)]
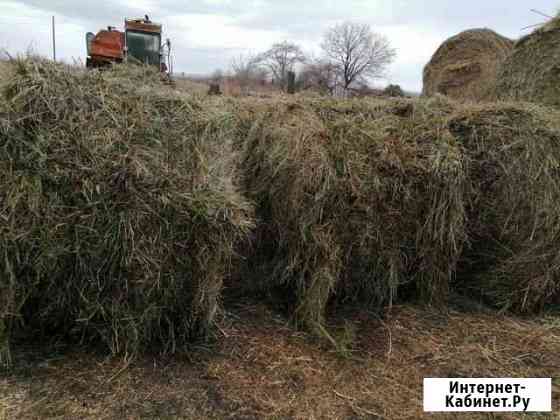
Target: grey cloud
[(174, 7), (506, 17), (116, 10), (83, 11), (312, 16), (204, 60), (445, 15)]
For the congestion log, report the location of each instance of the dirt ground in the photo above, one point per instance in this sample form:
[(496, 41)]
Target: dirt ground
[(261, 368)]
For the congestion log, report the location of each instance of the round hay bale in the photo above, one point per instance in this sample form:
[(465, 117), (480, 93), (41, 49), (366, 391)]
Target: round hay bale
[(532, 72), (465, 66), (513, 260), (118, 211), (359, 201)]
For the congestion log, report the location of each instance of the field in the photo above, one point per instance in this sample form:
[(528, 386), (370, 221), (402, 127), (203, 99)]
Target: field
[(185, 257)]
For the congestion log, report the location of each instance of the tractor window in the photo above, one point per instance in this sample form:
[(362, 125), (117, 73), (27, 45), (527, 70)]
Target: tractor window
[(145, 47)]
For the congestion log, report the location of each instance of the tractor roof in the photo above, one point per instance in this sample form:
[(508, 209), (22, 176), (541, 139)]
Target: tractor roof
[(142, 25)]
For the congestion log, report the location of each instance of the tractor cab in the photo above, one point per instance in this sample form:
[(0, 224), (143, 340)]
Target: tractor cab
[(143, 41)]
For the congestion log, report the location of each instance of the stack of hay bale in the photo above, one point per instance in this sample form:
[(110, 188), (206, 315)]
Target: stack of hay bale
[(376, 201), (120, 208), (118, 216), (466, 66)]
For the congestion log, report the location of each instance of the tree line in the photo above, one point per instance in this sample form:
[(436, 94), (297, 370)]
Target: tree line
[(351, 55)]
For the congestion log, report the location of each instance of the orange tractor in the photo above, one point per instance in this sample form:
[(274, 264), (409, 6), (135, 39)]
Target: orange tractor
[(140, 42)]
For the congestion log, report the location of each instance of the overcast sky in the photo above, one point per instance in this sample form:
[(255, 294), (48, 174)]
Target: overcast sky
[(206, 34)]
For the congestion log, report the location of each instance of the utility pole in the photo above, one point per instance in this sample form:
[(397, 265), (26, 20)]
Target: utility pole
[(53, 40)]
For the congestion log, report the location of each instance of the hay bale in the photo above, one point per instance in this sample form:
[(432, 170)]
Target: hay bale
[(384, 201), (532, 72), (514, 214), (465, 67), (357, 201), (5, 70), (118, 215)]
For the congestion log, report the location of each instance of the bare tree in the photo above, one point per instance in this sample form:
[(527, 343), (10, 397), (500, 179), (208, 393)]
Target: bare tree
[(245, 67), (217, 76), (357, 52), (280, 59), (321, 75)]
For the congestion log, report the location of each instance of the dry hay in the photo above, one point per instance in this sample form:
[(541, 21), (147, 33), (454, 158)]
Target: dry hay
[(119, 211), (118, 216), (5, 70), (466, 65), (532, 72), (380, 201), (357, 200), (514, 216), (191, 87), (267, 371)]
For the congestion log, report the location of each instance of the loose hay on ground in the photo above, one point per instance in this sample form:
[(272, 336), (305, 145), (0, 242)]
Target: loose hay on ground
[(118, 215), (266, 370), (465, 66)]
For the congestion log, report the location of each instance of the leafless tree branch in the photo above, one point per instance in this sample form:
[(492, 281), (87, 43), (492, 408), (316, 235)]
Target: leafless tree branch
[(357, 52), (246, 68), (280, 59)]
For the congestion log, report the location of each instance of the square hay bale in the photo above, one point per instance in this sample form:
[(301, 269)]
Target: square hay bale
[(514, 213), (356, 201), (119, 214)]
